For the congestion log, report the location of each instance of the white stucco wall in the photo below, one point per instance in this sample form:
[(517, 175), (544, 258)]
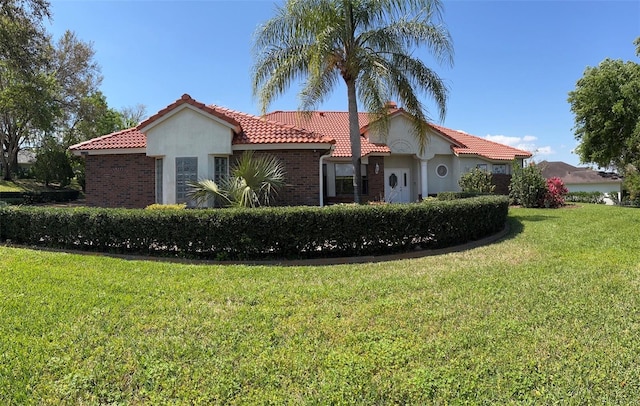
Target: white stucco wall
[(187, 133), (594, 187), (438, 184)]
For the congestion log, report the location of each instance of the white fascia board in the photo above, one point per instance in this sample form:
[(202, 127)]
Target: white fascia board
[(282, 146), (181, 108), (120, 151)]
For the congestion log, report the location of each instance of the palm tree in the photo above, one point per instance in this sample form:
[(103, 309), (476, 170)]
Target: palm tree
[(367, 43), (253, 182)]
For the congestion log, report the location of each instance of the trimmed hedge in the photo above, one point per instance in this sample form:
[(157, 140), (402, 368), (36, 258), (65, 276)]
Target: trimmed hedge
[(264, 233), (44, 196), (458, 195), (585, 197)]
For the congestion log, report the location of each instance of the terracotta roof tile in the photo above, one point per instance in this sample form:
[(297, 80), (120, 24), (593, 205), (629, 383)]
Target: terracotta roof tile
[(186, 99), (334, 124), (263, 130), (126, 139), (468, 144), (289, 127), (249, 129)]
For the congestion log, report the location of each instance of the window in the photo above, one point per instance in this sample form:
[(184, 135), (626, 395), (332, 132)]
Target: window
[(220, 168), (159, 180), (344, 179), (442, 170), (501, 169), (482, 167), (186, 172)]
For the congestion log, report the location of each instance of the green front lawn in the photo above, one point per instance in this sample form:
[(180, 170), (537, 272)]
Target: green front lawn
[(549, 315), (31, 185)]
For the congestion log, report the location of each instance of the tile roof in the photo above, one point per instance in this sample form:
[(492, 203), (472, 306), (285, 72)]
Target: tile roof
[(263, 130), (292, 127), (468, 144), (186, 99), (334, 124), (126, 139), (248, 129)]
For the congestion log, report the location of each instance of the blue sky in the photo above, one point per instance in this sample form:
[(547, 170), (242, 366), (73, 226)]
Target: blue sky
[(515, 61)]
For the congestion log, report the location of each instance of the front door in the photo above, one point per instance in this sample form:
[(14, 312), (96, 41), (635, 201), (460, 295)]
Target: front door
[(396, 186)]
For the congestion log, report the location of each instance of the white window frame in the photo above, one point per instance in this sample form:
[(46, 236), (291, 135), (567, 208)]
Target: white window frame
[(446, 169), (183, 177)]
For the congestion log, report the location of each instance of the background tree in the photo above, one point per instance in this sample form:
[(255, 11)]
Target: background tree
[(133, 115), (369, 44), (52, 163), (606, 105), (27, 101), (22, 34)]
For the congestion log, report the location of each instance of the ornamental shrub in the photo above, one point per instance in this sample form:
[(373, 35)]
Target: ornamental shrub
[(477, 181), (528, 187), (555, 194), (262, 233), (588, 197)]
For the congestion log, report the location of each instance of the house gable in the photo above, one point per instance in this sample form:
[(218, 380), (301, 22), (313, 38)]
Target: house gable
[(401, 139), (189, 132)]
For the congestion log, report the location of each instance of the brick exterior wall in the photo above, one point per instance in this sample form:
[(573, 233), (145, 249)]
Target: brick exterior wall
[(376, 184), (501, 182), (301, 176), (126, 180)]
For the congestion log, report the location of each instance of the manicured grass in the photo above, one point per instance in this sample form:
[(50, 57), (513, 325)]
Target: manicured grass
[(29, 185), (549, 315)]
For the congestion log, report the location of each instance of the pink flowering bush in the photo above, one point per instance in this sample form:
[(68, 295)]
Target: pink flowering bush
[(555, 194)]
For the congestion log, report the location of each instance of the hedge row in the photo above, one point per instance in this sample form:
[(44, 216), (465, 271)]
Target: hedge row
[(265, 233), (39, 197), (585, 197)]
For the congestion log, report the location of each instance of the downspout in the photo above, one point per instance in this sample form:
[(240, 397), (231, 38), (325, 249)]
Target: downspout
[(322, 157)]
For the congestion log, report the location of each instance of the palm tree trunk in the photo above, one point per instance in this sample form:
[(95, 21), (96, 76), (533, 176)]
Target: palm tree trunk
[(354, 137)]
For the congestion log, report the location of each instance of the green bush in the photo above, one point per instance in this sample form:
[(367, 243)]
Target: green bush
[(156, 206), (528, 187), (477, 181), (52, 163), (43, 196), (587, 197), (278, 232), (456, 195)]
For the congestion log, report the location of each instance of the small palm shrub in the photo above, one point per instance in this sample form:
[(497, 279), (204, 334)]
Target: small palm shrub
[(254, 181), (476, 181)]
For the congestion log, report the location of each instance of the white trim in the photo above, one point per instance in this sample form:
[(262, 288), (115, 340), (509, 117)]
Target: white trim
[(280, 146), (446, 168), (178, 109), (115, 151)]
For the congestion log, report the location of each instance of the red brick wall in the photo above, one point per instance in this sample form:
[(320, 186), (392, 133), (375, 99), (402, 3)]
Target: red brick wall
[(376, 182), (126, 180), (501, 182), (301, 176)]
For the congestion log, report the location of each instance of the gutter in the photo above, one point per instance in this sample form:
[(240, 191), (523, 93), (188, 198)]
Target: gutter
[(320, 183)]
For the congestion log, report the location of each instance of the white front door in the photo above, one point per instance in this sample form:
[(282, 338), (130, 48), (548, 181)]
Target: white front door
[(396, 185)]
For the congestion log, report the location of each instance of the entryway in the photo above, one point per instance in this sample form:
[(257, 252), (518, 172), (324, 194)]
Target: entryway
[(396, 185)]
